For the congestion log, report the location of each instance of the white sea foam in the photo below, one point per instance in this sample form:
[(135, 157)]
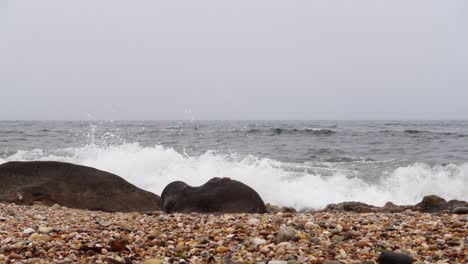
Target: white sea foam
[(152, 168)]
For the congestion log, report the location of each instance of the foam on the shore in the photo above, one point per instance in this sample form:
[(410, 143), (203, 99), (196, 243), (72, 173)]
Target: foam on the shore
[(152, 168)]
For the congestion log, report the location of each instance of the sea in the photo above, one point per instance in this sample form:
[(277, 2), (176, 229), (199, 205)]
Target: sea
[(303, 164)]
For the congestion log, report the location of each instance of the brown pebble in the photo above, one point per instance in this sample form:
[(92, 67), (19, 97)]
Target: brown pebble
[(118, 245)]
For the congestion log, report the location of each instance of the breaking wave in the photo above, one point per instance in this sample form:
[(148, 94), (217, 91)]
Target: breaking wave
[(152, 168)]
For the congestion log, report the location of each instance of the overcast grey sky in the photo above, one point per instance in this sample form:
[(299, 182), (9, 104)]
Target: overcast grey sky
[(243, 59)]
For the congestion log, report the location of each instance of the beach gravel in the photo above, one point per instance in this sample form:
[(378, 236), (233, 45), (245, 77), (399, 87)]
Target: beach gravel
[(41, 234)]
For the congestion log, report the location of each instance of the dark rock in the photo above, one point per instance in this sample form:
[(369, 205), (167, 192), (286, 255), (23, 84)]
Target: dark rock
[(390, 207), (394, 258), (287, 209), (218, 195), (118, 245), (431, 204), (460, 210), (352, 207), (72, 186), (452, 204)]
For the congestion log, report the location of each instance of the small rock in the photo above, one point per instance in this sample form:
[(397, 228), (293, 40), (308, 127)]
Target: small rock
[(258, 241), (105, 223), (118, 245), (460, 210), (39, 217), (393, 258), (28, 231), (286, 234), (287, 209), (153, 261), (265, 249), (284, 244), (253, 222), (277, 262), (37, 237), (310, 225), (222, 249), (361, 243), (44, 229)]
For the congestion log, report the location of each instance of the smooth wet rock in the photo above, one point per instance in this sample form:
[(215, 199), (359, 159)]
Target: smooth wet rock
[(460, 210), (352, 207), (431, 204), (72, 186), (218, 195), (394, 258), (390, 207)]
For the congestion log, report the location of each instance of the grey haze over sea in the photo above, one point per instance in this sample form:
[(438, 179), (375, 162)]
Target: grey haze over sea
[(305, 164)]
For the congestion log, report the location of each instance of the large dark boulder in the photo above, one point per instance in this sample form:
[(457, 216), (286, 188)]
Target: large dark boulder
[(436, 204), (218, 195), (72, 186)]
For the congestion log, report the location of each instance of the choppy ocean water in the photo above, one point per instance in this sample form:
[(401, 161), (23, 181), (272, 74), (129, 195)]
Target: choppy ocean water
[(305, 164)]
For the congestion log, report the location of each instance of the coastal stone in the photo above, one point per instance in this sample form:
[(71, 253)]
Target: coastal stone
[(73, 186), (390, 207), (457, 224), (44, 229), (361, 243), (460, 210), (265, 249), (310, 225), (39, 237), (286, 234), (352, 207), (39, 217), (431, 204), (287, 209), (28, 231), (153, 261), (222, 249), (272, 209), (258, 241), (277, 262), (253, 222), (218, 195), (393, 258), (117, 245)]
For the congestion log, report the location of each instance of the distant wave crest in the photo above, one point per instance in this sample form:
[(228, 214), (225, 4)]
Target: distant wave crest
[(278, 131)]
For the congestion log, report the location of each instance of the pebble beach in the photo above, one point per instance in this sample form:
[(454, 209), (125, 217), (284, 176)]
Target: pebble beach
[(42, 234)]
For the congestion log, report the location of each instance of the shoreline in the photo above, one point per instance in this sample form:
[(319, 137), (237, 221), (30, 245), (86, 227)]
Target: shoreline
[(42, 234)]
